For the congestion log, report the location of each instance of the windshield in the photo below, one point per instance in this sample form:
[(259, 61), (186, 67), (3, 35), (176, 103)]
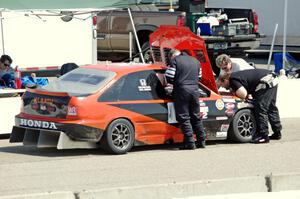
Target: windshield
[(81, 81)]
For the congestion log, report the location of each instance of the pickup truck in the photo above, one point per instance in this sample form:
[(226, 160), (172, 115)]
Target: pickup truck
[(113, 29)]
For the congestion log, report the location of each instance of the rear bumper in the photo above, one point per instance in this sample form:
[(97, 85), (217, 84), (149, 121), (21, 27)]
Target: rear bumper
[(47, 138), (234, 46), (74, 131)]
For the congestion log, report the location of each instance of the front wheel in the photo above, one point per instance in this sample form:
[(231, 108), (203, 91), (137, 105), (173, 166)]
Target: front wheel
[(243, 126), (119, 137)]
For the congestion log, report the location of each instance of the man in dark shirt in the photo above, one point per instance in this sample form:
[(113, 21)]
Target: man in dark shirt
[(6, 72), (262, 85), (184, 73)]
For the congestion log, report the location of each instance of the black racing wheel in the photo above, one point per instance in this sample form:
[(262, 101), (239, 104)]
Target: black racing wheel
[(119, 137), (242, 127)]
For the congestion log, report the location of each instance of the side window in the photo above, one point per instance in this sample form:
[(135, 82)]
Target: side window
[(143, 85), (158, 83), (112, 94), (200, 56)]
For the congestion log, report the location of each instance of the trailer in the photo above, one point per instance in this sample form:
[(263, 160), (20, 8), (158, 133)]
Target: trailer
[(45, 39), (10, 105)]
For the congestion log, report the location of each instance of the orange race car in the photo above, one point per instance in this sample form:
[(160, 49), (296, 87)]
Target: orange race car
[(120, 105)]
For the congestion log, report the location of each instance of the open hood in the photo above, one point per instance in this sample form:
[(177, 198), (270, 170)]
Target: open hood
[(181, 38)]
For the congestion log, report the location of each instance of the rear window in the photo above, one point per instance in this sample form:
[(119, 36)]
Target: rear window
[(84, 78), (81, 81)]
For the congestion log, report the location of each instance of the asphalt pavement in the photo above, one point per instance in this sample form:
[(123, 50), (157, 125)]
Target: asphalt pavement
[(156, 171), (27, 170)]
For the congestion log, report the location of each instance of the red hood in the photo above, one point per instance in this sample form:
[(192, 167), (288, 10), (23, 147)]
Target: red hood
[(181, 38)]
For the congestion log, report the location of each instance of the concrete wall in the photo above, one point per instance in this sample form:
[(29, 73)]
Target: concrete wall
[(9, 106), (288, 96), (270, 12), (255, 187)]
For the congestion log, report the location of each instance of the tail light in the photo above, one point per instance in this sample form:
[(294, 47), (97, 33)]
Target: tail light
[(94, 20), (255, 22), (181, 20)]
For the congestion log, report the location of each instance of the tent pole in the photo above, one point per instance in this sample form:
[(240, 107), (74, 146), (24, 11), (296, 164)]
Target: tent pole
[(94, 39), (272, 46), (2, 33), (130, 46), (284, 34), (136, 37)]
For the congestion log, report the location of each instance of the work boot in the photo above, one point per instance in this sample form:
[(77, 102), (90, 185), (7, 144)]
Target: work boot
[(260, 139), (200, 143), (188, 144), (275, 136)]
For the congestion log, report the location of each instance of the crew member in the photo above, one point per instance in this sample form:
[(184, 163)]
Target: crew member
[(230, 65), (262, 84), (183, 74)]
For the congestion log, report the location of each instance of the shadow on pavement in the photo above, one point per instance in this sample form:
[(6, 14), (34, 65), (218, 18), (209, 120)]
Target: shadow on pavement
[(50, 152), (53, 152)]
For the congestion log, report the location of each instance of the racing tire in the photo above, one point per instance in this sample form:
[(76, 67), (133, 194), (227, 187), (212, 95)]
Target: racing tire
[(118, 137), (242, 127)]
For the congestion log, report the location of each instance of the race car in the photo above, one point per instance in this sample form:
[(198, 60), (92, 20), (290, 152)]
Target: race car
[(118, 106)]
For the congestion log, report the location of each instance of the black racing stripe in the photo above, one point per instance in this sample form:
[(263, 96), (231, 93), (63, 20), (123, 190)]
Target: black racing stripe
[(156, 111)]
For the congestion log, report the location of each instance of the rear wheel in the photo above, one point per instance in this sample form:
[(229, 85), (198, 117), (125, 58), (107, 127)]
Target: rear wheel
[(119, 137), (243, 126)]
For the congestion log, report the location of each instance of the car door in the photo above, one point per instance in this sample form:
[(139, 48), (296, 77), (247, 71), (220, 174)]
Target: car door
[(142, 94)]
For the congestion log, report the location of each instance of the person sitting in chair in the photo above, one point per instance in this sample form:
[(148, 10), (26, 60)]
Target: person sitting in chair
[(6, 72)]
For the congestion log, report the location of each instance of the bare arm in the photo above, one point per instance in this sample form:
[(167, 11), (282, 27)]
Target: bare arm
[(241, 93)]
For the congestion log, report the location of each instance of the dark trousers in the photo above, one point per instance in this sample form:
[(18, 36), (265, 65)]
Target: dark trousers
[(188, 112), (266, 110)]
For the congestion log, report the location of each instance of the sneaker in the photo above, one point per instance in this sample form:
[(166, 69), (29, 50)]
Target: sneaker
[(260, 139), (190, 146), (200, 144), (275, 136)]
